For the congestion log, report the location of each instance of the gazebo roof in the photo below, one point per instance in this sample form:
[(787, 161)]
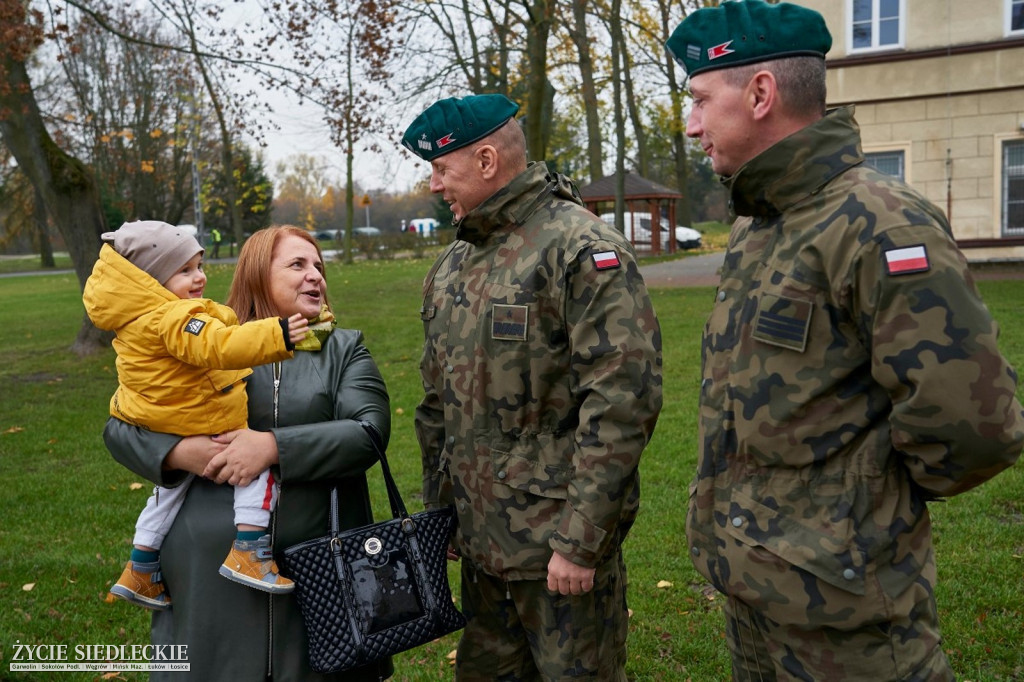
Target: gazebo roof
[(603, 189)]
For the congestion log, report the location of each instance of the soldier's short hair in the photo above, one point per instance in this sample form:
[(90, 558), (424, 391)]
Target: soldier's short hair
[(801, 81)]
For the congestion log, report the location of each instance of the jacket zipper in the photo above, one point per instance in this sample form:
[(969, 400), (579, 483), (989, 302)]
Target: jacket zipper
[(273, 532)]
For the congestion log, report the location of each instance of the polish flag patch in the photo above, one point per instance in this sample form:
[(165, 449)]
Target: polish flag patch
[(907, 260), (606, 260)]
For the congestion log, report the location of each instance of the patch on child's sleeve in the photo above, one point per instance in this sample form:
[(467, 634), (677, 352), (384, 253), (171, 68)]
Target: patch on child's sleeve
[(194, 326), (606, 260)]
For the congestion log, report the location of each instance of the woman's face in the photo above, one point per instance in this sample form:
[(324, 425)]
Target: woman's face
[(297, 282)]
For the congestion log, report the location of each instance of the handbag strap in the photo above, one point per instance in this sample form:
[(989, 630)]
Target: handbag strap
[(394, 497), (398, 510)]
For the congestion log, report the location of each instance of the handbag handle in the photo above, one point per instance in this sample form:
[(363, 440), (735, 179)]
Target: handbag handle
[(398, 510)]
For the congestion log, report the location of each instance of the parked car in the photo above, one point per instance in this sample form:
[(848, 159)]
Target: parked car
[(686, 237), (329, 235), (357, 232)]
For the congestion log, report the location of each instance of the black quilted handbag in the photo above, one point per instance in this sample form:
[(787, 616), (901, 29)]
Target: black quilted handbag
[(377, 590)]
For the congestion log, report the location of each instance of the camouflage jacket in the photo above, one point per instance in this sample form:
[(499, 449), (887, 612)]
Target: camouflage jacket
[(850, 373), (542, 377)]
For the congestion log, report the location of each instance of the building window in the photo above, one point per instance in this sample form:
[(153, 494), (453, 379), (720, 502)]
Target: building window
[(876, 24), (1013, 188), (1015, 17), (890, 163)]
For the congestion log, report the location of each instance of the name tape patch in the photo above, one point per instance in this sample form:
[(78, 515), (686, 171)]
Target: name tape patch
[(783, 322), (508, 323), (907, 260)]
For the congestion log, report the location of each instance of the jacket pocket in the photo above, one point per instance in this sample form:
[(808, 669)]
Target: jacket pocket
[(828, 556), (537, 464)]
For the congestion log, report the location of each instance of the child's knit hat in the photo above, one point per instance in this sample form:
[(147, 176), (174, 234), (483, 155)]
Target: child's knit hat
[(154, 247)]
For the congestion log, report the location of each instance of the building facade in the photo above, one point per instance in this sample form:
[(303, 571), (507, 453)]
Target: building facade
[(938, 87)]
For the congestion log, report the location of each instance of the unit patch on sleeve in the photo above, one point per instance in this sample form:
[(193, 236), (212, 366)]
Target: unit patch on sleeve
[(194, 326), (606, 260), (907, 260), (508, 322)]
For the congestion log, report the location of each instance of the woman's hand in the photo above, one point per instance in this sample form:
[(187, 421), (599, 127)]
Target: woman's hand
[(247, 454), (192, 454)]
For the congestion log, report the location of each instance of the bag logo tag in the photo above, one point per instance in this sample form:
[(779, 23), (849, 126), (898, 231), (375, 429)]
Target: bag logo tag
[(373, 546)]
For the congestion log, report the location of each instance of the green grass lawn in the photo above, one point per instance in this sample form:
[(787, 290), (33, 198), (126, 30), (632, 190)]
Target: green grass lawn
[(67, 510)]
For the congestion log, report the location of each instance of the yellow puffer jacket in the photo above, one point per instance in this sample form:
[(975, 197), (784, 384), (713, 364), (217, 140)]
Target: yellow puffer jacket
[(181, 363)]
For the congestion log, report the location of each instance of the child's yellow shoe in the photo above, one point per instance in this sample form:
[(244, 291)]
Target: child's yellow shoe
[(142, 584), (252, 564)]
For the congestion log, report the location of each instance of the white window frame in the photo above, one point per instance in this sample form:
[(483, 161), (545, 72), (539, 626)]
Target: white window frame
[(901, 153), (1008, 17), (875, 47), (1001, 199), (903, 147)]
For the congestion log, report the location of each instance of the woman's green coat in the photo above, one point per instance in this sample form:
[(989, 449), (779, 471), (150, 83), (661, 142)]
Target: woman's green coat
[(235, 633)]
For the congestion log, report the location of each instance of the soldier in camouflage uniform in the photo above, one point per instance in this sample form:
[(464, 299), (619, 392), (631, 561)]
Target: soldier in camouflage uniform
[(850, 370), (542, 378)]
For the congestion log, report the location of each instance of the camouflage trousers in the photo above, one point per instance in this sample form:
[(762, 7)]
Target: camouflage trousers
[(520, 632), (904, 650)]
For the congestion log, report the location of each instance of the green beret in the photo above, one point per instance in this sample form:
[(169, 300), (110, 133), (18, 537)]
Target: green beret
[(746, 32), (449, 124)]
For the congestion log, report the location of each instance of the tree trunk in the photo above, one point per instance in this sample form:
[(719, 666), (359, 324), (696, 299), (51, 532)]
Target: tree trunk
[(634, 116), (620, 124), (589, 90), (42, 234), (67, 187), (537, 31), (684, 210)]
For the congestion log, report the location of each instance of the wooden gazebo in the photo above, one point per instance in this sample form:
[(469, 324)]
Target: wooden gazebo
[(641, 196)]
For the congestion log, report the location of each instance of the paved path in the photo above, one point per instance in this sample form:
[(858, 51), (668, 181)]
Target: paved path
[(692, 271)]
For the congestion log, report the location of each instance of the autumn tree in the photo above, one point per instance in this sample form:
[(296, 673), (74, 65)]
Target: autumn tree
[(345, 51), (253, 194), (127, 110), (66, 187)]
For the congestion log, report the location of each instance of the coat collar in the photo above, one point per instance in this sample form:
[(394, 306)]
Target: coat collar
[(514, 203), (796, 166)]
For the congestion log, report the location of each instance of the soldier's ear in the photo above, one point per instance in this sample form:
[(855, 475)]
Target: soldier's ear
[(762, 94), (486, 159)]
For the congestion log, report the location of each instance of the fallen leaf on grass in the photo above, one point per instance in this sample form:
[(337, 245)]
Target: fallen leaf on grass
[(14, 429), (27, 587), (663, 584), (135, 486), (451, 656)]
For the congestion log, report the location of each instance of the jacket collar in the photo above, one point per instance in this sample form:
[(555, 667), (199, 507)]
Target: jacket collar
[(796, 166), (514, 203)]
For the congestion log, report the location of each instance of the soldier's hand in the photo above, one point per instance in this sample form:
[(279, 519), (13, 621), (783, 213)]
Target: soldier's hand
[(565, 577)]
